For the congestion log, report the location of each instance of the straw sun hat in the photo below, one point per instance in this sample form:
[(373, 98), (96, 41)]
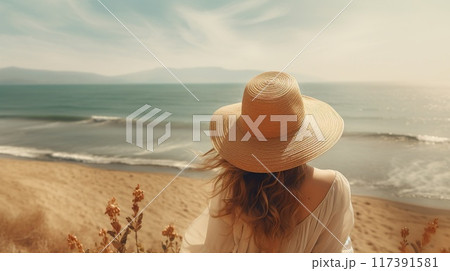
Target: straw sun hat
[(275, 128)]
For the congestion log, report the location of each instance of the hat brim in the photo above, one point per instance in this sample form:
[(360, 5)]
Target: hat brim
[(275, 155)]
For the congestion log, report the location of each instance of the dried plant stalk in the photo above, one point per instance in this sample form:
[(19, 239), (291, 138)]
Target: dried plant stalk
[(404, 243), (73, 243), (120, 235), (429, 230), (105, 241), (419, 245), (135, 222), (173, 240)]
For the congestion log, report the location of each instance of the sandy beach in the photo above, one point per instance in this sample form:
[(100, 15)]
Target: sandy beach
[(41, 202)]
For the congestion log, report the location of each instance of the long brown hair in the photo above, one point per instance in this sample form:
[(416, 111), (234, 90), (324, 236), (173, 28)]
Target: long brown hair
[(258, 198)]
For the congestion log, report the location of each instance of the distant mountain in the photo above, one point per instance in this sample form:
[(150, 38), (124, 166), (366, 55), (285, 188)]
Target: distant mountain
[(13, 75), (16, 76)]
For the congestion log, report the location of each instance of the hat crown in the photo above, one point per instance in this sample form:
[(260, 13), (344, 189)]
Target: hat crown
[(275, 95)]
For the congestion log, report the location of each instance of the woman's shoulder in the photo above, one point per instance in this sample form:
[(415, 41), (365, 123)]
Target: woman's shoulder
[(327, 177), (340, 191), (319, 181), (342, 183), (330, 183)]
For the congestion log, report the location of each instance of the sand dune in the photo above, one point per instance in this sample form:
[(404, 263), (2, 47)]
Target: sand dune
[(71, 198)]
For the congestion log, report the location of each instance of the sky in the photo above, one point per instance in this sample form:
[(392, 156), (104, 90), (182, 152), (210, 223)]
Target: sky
[(382, 40)]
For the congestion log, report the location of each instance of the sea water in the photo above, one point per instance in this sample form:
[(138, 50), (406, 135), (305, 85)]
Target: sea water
[(395, 145)]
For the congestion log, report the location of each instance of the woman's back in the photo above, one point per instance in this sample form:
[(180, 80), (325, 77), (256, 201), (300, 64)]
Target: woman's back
[(324, 224), (314, 188)]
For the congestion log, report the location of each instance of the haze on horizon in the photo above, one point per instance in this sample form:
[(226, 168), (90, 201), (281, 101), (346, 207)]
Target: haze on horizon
[(400, 41)]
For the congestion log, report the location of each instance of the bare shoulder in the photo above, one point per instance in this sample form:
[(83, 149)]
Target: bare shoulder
[(322, 178), (316, 185)]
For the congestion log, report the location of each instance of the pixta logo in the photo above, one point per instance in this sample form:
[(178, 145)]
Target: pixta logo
[(146, 115)]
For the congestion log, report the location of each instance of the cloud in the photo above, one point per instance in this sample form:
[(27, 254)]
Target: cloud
[(404, 40), (267, 16)]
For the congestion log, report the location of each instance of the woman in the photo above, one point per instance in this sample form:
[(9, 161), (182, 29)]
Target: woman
[(266, 198)]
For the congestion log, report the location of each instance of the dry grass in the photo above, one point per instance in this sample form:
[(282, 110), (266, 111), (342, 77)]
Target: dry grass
[(419, 246), (29, 232), (115, 240)]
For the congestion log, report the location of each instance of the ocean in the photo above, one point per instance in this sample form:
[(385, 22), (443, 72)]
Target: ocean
[(395, 145)]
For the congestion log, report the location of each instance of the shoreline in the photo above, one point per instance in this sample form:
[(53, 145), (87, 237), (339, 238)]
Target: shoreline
[(71, 198)]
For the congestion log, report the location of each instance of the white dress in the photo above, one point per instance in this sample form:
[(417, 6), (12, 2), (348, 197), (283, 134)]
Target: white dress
[(219, 234)]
